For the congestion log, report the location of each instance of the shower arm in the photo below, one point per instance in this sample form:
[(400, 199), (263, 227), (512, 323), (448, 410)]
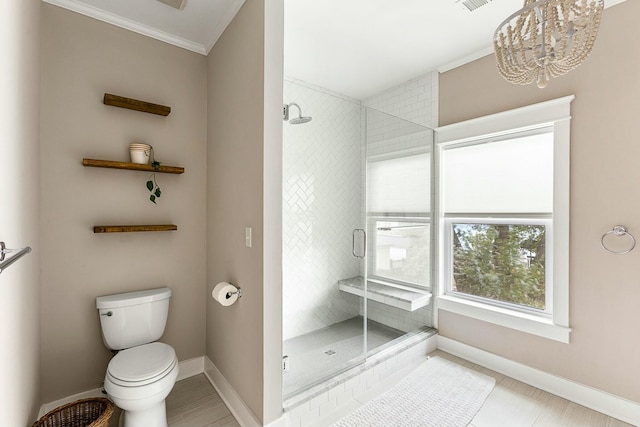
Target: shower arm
[(288, 106)]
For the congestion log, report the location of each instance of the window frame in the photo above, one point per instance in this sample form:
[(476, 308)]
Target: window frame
[(523, 219), (372, 219), (554, 114), (425, 217)]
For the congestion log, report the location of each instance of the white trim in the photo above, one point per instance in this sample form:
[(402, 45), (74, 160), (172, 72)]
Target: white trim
[(46, 407), (215, 33), (555, 112), (519, 118), (272, 213), (561, 208), (127, 24), (466, 59), (598, 400), (520, 321), (188, 368), (229, 396)]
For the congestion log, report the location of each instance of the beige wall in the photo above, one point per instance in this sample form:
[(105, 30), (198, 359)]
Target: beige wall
[(605, 172), (19, 211), (81, 60), (243, 340)]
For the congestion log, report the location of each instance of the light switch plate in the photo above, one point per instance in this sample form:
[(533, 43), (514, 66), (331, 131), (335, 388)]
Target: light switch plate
[(247, 237)]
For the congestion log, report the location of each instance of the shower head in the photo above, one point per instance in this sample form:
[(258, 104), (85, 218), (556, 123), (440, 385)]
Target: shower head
[(296, 120), (300, 120)]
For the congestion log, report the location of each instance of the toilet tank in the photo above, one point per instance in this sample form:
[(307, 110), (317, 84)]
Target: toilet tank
[(133, 318)]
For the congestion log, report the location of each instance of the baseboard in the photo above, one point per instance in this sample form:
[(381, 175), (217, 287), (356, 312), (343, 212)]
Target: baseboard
[(46, 407), (229, 396), (190, 368), (187, 368), (598, 400)]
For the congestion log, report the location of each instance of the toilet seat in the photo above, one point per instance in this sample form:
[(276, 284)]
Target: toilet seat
[(142, 365)]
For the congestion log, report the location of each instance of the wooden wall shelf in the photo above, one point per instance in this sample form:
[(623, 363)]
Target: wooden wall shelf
[(137, 105), (130, 166), (133, 228)]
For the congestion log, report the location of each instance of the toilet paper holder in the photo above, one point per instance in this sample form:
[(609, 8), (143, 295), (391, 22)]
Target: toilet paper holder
[(226, 293), (230, 294)]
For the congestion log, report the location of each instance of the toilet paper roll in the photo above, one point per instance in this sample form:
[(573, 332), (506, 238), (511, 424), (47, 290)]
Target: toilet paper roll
[(225, 293)]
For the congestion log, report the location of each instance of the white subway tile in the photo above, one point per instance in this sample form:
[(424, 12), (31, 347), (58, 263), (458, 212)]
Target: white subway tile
[(328, 406), (310, 416), (318, 400)]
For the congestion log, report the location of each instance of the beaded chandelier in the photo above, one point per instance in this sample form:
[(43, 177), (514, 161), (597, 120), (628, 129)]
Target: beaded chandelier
[(546, 38)]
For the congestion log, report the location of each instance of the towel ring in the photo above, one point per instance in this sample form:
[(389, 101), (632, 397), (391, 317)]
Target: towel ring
[(618, 230)]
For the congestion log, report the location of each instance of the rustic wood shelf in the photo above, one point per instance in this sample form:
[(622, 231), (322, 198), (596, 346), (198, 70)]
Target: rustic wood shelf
[(133, 228), (137, 105), (130, 166)]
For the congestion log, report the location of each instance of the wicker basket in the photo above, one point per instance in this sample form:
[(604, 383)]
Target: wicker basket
[(93, 412)]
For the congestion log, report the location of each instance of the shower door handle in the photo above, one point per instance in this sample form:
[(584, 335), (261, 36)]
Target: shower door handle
[(356, 232)]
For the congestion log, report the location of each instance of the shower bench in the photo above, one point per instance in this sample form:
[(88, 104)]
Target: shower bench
[(403, 298)]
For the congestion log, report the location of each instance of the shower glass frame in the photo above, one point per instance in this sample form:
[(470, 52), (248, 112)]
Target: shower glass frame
[(359, 240)]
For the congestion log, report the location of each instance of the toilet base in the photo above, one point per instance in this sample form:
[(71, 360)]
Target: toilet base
[(155, 416), (143, 405)]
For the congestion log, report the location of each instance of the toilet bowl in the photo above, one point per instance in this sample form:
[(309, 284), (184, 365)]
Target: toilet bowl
[(138, 380), (143, 372)]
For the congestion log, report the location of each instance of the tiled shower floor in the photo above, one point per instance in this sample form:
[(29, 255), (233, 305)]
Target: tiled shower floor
[(322, 353)]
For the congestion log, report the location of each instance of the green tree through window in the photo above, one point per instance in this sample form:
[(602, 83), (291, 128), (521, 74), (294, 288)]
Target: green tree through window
[(503, 262)]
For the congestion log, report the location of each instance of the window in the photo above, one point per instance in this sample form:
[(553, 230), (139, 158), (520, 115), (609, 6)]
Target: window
[(399, 217), (402, 251), (501, 263), (503, 218)]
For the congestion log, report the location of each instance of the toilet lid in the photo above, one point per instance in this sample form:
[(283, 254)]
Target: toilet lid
[(142, 363)]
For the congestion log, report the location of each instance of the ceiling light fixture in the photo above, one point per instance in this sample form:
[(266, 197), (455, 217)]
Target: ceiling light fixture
[(546, 38)]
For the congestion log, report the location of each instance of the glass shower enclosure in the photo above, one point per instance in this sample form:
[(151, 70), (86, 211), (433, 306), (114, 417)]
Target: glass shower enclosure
[(356, 223)]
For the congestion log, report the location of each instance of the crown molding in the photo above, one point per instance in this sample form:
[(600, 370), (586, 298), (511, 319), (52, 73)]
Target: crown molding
[(465, 59), (136, 27)]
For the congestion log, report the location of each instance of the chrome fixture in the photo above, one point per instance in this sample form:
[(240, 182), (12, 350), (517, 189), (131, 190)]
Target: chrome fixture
[(620, 231), (4, 264), (546, 38), (296, 120), (359, 250)]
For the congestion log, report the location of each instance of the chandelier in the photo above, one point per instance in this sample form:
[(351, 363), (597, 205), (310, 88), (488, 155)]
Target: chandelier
[(546, 38)]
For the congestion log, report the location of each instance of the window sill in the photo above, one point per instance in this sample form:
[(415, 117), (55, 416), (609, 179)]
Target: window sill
[(543, 327)]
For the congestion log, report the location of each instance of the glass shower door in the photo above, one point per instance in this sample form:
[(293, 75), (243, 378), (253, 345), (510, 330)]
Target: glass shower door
[(355, 223), (322, 206), (398, 216)]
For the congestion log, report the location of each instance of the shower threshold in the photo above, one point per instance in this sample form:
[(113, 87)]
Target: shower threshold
[(322, 359)]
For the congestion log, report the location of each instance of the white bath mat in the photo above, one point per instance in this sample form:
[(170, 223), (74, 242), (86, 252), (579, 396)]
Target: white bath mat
[(439, 393)]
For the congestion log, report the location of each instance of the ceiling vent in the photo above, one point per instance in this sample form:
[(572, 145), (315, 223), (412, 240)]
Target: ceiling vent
[(178, 4), (469, 5)]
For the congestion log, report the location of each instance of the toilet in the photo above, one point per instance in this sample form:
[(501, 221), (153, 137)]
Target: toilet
[(143, 372)]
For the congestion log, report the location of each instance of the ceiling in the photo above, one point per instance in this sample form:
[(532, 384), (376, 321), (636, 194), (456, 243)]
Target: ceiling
[(196, 27), (354, 47)]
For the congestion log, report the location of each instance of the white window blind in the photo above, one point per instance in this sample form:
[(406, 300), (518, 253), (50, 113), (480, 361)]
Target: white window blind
[(400, 184), (508, 176)]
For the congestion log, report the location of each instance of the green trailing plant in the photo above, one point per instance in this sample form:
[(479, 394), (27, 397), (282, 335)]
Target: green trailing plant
[(152, 184)]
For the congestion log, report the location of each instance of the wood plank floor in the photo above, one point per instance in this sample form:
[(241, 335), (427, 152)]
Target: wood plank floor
[(194, 403), (516, 404)]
